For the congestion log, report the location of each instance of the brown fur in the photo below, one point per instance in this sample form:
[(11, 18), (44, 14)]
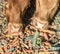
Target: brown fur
[(59, 2), (14, 11), (45, 9)]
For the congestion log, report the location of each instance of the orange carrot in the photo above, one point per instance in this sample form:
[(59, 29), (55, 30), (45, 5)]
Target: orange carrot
[(47, 31)]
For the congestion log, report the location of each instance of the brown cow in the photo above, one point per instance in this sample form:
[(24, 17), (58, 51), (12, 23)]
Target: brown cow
[(45, 10)]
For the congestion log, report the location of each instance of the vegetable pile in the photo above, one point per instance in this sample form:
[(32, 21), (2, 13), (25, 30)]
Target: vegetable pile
[(33, 40)]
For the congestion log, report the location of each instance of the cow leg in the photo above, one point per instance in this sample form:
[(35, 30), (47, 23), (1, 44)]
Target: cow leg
[(45, 10), (13, 17), (14, 12)]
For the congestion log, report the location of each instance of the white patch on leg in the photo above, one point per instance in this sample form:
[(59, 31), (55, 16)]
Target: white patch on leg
[(39, 25)]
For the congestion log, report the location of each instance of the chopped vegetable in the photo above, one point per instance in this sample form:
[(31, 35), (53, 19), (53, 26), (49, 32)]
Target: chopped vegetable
[(39, 41), (35, 38), (28, 38), (11, 50), (55, 48)]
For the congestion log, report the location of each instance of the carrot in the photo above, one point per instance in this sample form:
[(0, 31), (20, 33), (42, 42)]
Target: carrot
[(30, 51), (1, 51), (24, 51), (48, 44), (15, 34), (47, 31), (19, 52), (45, 35)]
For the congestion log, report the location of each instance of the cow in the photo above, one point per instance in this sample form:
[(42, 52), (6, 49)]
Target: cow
[(15, 9)]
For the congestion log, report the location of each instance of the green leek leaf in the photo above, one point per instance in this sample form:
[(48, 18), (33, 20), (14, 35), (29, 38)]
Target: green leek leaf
[(35, 38)]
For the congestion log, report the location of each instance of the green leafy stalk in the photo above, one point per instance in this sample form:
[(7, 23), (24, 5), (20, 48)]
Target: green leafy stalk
[(39, 41), (55, 48), (35, 38), (11, 50)]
